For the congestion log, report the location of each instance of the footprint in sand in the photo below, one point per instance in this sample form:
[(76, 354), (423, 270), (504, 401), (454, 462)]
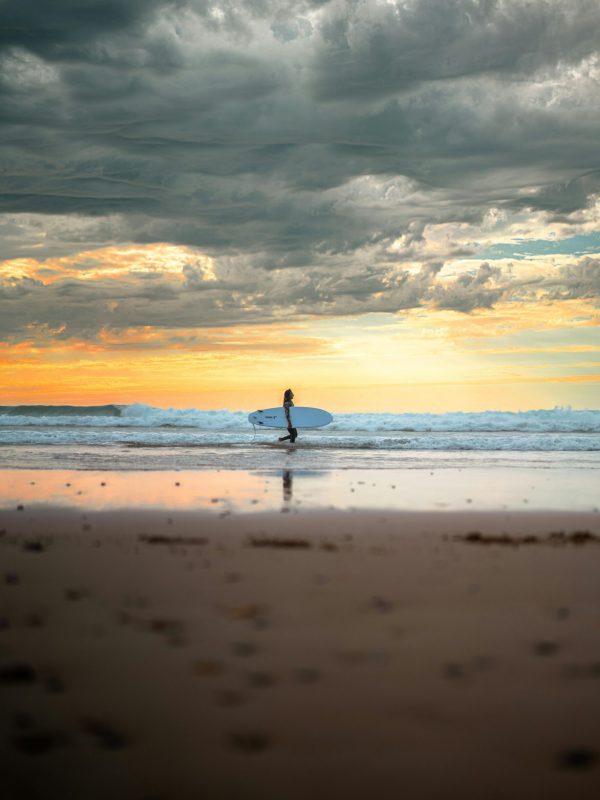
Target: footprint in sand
[(454, 672), (53, 684), (306, 675), (261, 680), (230, 698), (208, 668), (74, 595), (249, 742), (381, 605), (582, 671), (18, 673), (107, 737), (545, 649), (37, 742), (244, 649), (33, 547), (578, 758)]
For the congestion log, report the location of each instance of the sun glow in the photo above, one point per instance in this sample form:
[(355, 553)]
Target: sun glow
[(518, 354)]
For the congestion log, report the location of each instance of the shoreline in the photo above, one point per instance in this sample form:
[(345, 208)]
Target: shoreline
[(576, 451), (180, 653), (474, 488)]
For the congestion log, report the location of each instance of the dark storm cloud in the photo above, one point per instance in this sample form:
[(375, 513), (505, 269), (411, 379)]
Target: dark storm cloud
[(287, 136), (61, 28), (562, 199), (382, 48)]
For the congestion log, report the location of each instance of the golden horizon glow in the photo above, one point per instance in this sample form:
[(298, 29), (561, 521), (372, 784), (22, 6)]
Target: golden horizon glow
[(527, 353)]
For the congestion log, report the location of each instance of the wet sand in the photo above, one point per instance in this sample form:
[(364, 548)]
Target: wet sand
[(151, 653)]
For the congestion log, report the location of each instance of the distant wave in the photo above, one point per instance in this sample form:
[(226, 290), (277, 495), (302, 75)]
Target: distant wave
[(556, 420), (41, 412), (140, 416)]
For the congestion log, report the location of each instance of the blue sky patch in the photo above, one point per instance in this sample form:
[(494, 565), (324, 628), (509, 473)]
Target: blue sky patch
[(579, 245)]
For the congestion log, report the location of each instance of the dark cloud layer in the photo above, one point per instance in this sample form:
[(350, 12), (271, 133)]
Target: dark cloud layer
[(72, 308), (301, 135), (67, 29), (382, 48)]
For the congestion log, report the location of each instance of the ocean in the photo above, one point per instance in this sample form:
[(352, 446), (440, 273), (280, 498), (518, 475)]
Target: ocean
[(143, 437)]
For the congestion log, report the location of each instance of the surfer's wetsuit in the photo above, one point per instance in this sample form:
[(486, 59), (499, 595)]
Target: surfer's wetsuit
[(292, 432)]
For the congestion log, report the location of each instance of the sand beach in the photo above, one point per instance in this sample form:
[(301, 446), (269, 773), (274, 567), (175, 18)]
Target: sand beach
[(154, 649)]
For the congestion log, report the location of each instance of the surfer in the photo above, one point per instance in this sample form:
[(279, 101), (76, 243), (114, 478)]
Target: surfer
[(288, 402)]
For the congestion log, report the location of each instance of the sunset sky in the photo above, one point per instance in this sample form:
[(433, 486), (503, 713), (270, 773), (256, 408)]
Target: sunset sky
[(388, 206)]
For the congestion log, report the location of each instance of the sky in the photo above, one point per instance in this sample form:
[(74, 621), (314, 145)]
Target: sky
[(385, 205)]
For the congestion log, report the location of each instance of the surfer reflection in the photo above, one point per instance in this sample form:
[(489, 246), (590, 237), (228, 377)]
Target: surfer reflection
[(288, 402), (287, 485)]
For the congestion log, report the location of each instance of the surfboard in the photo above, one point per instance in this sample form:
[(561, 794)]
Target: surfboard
[(301, 417)]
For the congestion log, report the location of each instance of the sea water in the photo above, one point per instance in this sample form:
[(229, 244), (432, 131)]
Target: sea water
[(545, 459), (143, 437)]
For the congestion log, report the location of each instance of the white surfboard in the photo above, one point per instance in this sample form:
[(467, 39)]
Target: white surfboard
[(300, 416)]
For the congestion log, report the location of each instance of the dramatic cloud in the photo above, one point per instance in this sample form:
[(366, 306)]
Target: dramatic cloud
[(118, 290), (579, 280), (333, 141), (471, 291), (383, 48)]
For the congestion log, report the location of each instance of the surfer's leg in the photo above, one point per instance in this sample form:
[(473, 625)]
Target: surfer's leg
[(293, 435), (284, 438)]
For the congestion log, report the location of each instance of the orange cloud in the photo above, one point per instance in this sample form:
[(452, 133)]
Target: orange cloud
[(111, 262), (373, 360)]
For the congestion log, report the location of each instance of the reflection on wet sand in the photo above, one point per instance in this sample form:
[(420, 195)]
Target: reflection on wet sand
[(287, 485), (238, 491)]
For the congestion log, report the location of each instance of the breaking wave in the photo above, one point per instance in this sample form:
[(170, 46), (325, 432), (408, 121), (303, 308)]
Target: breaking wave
[(140, 416), (144, 426)]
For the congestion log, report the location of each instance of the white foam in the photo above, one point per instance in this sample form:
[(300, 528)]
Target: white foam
[(139, 415), (143, 425)]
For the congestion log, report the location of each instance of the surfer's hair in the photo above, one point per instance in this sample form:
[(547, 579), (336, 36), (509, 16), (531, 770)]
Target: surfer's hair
[(287, 395)]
